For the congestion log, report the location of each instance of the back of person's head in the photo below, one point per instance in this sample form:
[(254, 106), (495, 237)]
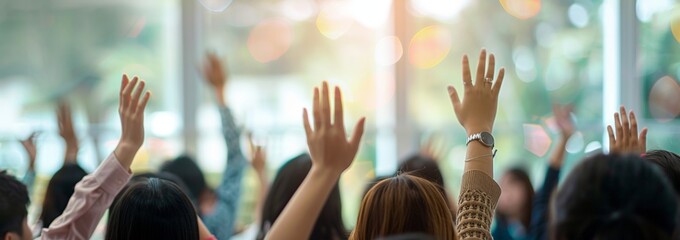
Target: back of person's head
[(614, 197), (186, 169), (152, 209), (422, 167), (59, 191), (516, 197), (13, 203), (669, 163), (404, 204), (328, 225)]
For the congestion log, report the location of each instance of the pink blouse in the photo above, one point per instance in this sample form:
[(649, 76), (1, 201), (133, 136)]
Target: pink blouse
[(92, 197)]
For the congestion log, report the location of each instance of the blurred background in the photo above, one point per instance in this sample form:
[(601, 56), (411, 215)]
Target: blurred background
[(393, 60)]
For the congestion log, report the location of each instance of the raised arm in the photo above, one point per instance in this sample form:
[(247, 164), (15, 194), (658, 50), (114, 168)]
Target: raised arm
[(331, 153), (67, 132), (539, 214), (221, 220), (94, 193), (627, 139), (476, 113), (259, 163), (31, 151)]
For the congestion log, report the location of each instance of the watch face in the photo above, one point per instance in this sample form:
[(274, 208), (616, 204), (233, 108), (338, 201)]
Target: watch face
[(487, 139)]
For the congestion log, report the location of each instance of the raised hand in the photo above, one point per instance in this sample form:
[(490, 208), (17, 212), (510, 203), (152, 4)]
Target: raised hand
[(328, 144), (477, 111), (31, 150), (432, 150), (131, 110), (563, 119), (627, 139), (67, 132), (216, 75), (258, 156)]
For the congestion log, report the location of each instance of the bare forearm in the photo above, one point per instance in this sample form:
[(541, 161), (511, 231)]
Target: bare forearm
[(125, 153), (297, 219), (557, 156), (262, 195), (219, 96), (71, 153)]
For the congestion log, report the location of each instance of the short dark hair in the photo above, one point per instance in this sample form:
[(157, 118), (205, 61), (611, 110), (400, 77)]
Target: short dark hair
[(13, 203), (669, 163), (328, 225), (59, 191), (614, 197), (423, 167), (153, 209), (522, 177), (186, 169)]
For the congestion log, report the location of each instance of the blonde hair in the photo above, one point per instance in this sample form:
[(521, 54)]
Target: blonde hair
[(404, 204)]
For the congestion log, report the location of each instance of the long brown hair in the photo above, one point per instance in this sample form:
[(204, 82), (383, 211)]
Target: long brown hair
[(403, 204)]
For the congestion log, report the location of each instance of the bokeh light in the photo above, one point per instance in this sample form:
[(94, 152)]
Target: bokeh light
[(536, 139), (334, 20), (429, 47), (388, 51), (575, 143), (269, 40), (216, 5), (675, 23), (522, 9), (373, 13), (439, 9), (664, 99), (578, 15), (298, 10), (645, 9), (592, 146), (524, 61)]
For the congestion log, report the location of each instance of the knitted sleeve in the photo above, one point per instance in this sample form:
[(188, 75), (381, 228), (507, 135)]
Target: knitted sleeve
[(478, 197)]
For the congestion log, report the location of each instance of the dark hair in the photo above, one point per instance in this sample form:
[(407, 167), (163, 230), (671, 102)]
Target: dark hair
[(423, 167), (328, 225), (521, 176), (669, 163), (186, 169), (614, 197), (13, 203), (59, 191), (427, 168), (153, 209)]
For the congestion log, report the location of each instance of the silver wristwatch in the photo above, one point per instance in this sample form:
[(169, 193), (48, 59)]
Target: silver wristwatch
[(483, 137)]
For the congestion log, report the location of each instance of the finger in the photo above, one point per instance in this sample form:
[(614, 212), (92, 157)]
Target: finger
[(325, 106), (612, 139), (467, 78), (625, 125), (305, 122), (455, 100), (357, 135), (499, 82), (633, 126), (127, 91), (643, 140), (491, 68), (137, 94), (123, 85), (142, 105), (339, 115), (619, 128), (316, 110), (481, 67)]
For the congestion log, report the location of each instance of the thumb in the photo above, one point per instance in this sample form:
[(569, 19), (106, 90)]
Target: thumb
[(455, 100), (357, 135)]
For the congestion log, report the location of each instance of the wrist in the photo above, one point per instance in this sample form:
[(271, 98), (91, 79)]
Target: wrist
[(323, 173), (477, 129)]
